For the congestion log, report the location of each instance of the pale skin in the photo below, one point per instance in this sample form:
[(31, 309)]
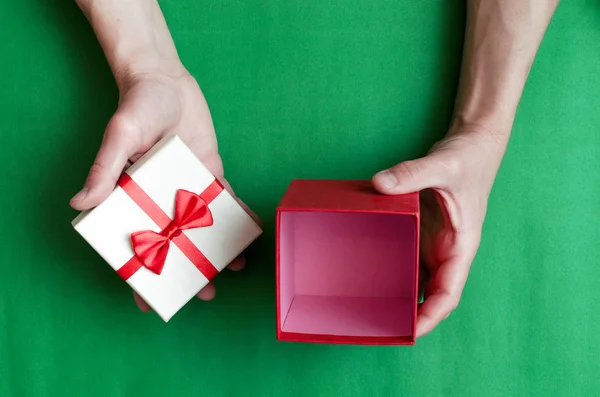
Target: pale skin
[(158, 96)]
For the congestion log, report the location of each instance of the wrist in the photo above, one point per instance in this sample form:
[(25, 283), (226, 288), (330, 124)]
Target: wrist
[(482, 110), (494, 124), (149, 50), (493, 136), (144, 63), (134, 37)]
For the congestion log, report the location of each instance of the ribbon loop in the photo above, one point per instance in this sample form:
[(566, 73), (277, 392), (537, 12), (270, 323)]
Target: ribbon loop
[(191, 211)]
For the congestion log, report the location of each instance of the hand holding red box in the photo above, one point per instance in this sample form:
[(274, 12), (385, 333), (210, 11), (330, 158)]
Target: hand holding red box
[(455, 179)]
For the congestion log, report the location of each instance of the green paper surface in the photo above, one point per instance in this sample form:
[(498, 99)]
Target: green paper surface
[(299, 89)]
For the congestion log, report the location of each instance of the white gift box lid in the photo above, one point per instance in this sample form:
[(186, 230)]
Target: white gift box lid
[(169, 166)]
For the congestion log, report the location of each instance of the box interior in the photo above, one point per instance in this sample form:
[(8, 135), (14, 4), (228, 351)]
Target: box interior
[(347, 273)]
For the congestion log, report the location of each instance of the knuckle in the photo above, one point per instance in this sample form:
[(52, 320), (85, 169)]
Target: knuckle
[(407, 169), (96, 170), (454, 166), (124, 131), (452, 173), (96, 174), (122, 126), (453, 302)]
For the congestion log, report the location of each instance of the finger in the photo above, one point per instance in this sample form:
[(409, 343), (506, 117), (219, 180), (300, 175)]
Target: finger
[(237, 264), (443, 293), (141, 303), (408, 177), (118, 145), (207, 293), (436, 308)]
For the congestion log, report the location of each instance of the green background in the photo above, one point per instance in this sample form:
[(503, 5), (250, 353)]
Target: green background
[(329, 89)]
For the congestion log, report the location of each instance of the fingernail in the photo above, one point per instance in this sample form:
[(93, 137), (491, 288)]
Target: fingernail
[(81, 195), (387, 179)]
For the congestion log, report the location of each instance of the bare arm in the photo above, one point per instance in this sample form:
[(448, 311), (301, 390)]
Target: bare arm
[(157, 96), (502, 39), (134, 36)]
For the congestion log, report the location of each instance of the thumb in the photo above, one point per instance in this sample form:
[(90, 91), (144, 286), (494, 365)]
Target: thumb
[(118, 145), (408, 177)]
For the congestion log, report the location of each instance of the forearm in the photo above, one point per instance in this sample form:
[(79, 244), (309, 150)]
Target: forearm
[(501, 40), (133, 34)]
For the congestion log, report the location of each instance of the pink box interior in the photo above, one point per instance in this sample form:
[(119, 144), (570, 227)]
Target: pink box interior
[(347, 273)]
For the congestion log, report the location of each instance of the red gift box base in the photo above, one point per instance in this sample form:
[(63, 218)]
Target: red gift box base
[(346, 264)]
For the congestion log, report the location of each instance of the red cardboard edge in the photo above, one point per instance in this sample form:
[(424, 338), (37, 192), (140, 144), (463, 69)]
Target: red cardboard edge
[(277, 287), (345, 340), (417, 273)]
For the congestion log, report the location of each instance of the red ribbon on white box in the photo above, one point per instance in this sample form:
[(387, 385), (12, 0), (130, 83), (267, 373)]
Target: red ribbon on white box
[(191, 211)]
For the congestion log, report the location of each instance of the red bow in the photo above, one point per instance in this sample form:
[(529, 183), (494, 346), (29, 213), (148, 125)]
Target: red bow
[(151, 248)]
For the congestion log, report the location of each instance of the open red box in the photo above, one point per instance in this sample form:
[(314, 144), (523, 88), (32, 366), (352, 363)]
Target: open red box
[(347, 264)]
